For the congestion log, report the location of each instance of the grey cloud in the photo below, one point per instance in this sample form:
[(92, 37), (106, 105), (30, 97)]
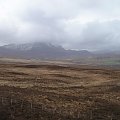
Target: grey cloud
[(7, 34), (77, 24), (96, 35)]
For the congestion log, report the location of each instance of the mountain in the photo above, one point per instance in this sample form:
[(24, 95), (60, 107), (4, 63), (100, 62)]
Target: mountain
[(40, 51)]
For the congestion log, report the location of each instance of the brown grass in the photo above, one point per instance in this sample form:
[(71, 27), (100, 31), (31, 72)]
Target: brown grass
[(60, 92)]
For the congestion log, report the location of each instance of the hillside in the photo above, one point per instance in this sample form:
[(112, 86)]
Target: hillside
[(40, 50)]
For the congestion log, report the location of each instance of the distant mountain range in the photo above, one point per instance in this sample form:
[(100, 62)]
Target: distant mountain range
[(40, 51)]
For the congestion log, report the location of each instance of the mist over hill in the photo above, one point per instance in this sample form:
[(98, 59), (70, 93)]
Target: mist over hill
[(40, 50)]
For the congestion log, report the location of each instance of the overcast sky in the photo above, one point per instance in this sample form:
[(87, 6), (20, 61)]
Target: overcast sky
[(75, 24)]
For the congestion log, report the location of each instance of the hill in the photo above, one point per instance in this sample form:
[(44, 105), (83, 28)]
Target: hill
[(40, 50)]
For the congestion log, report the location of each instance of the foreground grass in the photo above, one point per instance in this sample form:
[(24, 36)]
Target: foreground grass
[(54, 92)]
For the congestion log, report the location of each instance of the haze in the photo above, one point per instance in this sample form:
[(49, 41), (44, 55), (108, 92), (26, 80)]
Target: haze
[(74, 24)]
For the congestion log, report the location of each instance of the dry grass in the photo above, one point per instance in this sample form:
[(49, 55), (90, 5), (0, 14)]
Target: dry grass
[(65, 93)]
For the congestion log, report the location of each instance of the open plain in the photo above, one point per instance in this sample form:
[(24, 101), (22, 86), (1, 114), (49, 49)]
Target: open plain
[(57, 91)]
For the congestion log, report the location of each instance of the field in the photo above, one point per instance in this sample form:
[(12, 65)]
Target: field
[(32, 90)]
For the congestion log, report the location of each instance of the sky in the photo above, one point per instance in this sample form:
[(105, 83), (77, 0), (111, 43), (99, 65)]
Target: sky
[(74, 24)]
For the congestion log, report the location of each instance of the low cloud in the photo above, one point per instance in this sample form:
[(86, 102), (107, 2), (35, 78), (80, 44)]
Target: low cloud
[(78, 24)]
